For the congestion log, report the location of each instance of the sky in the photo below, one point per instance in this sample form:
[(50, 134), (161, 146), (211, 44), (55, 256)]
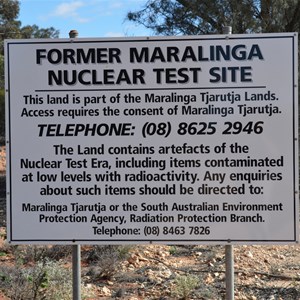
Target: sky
[(91, 18)]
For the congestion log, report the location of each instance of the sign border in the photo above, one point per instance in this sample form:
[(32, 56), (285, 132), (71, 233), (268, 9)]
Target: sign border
[(294, 40)]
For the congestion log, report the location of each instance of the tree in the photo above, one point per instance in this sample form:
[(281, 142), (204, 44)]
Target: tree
[(193, 17), (34, 32), (11, 28)]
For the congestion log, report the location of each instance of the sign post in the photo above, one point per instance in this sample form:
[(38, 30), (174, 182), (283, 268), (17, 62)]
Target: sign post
[(177, 140), (76, 249), (229, 251)]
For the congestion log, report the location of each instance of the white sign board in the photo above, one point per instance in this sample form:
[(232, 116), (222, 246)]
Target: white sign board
[(174, 140)]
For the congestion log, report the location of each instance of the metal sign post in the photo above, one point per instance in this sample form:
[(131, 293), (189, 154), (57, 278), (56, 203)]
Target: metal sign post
[(76, 255), (229, 274), (76, 271), (229, 252)]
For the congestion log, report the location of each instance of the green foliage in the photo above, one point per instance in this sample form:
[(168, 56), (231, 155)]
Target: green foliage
[(1, 71), (39, 272), (173, 250), (2, 117), (105, 260), (9, 10), (58, 282), (44, 280), (184, 286), (193, 17), (35, 276), (40, 253), (11, 28), (31, 32)]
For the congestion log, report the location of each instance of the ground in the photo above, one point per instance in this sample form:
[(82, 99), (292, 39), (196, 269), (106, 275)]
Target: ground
[(166, 272), (161, 272), (261, 272)]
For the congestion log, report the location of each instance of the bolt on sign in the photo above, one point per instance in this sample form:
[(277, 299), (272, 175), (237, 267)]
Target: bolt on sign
[(159, 139)]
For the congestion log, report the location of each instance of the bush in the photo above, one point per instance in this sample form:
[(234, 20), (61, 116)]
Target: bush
[(106, 260), (184, 286), (25, 254), (44, 280), (2, 117), (38, 274)]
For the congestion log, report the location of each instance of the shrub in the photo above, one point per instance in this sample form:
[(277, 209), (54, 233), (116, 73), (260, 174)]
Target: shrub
[(44, 280), (106, 260), (2, 117), (184, 285)]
